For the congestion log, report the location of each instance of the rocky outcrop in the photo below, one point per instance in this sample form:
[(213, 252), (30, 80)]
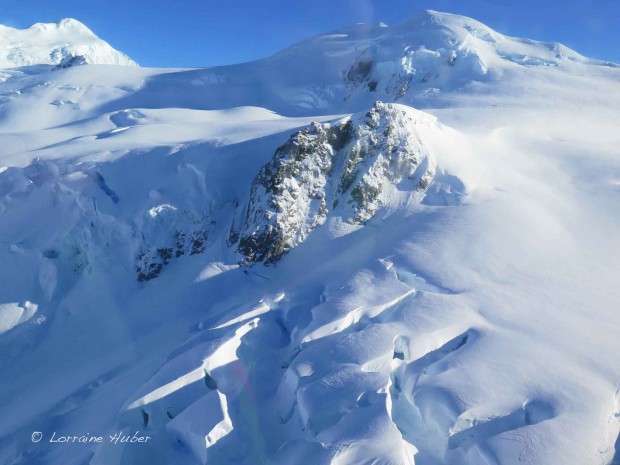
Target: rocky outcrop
[(348, 169), (168, 234), (289, 195), (70, 61)]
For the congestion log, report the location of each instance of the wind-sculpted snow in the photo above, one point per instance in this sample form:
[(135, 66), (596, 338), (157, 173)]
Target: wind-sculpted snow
[(350, 168), (442, 286)]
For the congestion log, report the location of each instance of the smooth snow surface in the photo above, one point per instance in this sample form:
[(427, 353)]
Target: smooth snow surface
[(258, 264)]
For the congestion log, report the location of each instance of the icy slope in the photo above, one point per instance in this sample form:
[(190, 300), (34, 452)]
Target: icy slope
[(56, 44), (384, 285)]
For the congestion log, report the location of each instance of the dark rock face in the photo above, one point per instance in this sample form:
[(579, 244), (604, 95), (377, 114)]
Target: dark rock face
[(152, 261), (70, 61), (346, 166), (288, 197), (359, 72), (168, 234)]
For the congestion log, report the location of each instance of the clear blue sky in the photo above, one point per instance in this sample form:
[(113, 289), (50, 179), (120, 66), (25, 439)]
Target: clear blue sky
[(192, 33)]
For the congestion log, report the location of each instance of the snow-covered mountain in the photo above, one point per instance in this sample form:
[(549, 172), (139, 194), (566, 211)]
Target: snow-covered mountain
[(62, 43), (387, 244), (427, 60)]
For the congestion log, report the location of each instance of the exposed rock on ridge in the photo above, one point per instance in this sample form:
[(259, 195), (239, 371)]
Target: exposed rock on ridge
[(347, 168)]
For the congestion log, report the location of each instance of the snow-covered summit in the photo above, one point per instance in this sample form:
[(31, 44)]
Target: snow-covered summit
[(429, 51), (55, 43)]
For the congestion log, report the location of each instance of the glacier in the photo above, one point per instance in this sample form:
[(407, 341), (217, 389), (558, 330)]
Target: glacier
[(382, 245)]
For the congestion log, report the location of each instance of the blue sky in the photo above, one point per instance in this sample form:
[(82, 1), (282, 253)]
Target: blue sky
[(191, 33)]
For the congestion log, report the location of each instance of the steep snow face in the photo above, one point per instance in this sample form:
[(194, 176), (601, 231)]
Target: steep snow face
[(351, 168), (65, 43)]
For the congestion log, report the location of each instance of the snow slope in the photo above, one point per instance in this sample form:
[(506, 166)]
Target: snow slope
[(261, 264)]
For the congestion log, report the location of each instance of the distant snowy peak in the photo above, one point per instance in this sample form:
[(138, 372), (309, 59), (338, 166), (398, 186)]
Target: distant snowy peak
[(66, 43), (468, 33), (445, 32), (428, 41)]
